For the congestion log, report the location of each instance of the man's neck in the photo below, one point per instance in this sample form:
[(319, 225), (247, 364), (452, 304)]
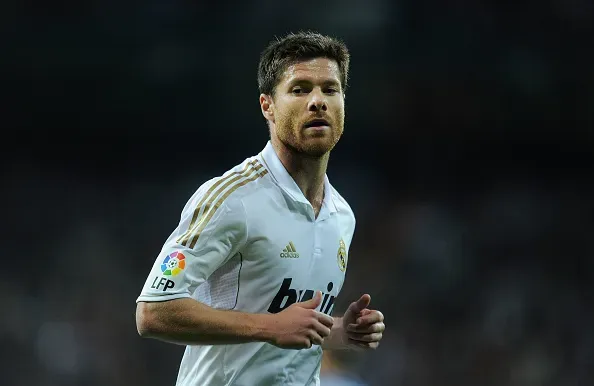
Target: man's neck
[(308, 172)]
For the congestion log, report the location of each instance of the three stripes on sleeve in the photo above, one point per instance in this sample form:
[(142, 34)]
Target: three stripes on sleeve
[(214, 198)]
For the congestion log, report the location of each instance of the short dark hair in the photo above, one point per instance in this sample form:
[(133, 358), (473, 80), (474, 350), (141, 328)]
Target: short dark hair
[(296, 47)]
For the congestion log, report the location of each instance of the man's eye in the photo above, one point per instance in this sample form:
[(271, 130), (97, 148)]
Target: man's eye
[(331, 91), (297, 90)]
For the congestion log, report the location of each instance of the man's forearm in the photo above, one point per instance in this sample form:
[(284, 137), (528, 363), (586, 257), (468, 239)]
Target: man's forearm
[(189, 322), (335, 341)]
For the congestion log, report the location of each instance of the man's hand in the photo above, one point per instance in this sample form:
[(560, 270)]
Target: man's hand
[(300, 325), (363, 328)]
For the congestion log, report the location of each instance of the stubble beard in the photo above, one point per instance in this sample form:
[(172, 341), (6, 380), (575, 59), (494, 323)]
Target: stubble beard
[(295, 142)]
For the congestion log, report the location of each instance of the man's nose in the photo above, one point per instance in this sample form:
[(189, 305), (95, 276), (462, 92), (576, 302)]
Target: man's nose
[(317, 102)]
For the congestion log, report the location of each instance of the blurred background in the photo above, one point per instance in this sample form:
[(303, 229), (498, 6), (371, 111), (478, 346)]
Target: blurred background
[(467, 158)]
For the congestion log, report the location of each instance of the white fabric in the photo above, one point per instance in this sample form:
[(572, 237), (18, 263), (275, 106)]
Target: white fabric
[(236, 264)]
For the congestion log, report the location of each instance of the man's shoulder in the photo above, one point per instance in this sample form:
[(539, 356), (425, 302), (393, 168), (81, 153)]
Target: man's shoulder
[(234, 184), (341, 203)]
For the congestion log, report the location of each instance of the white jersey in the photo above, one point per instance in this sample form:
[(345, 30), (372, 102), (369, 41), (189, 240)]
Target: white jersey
[(249, 241)]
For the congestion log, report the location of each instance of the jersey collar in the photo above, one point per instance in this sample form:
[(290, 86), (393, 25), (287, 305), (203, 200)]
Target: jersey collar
[(288, 184)]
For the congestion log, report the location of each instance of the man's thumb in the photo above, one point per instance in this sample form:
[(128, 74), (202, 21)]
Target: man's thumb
[(360, 304), (314, 302)]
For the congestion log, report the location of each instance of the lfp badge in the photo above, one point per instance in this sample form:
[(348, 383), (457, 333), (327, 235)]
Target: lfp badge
[(173, 264)]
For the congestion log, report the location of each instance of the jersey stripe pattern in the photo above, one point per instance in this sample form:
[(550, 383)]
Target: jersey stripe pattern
[(212, 199)]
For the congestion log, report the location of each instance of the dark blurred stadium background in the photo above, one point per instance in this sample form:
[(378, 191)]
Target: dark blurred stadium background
[(467, 158)]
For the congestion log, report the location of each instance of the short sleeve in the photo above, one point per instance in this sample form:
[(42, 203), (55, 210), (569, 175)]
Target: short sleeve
[(208, 235)]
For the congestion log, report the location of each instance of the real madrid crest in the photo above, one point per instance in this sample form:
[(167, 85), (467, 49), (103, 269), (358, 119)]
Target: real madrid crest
[(342, 256)]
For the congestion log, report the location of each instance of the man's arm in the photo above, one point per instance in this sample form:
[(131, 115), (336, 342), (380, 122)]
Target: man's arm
[(189, 322), (335, 341)]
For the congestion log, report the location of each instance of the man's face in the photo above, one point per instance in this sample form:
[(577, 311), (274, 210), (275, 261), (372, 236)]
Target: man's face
[(307, 109)]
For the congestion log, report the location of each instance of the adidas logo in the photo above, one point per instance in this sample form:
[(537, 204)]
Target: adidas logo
[(289, 252)]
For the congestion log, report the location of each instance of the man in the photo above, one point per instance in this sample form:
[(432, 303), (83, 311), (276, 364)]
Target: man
[(260, 253)]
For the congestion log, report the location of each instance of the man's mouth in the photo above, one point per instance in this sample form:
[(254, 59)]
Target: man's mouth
[(317, 123)]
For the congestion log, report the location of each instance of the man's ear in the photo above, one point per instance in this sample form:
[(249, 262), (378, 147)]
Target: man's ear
[(266, 105)]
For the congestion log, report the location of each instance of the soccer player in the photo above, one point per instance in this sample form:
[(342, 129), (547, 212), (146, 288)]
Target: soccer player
[(248, 279)]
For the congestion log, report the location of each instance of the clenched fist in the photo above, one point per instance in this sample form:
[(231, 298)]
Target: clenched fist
[(300, 326)]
